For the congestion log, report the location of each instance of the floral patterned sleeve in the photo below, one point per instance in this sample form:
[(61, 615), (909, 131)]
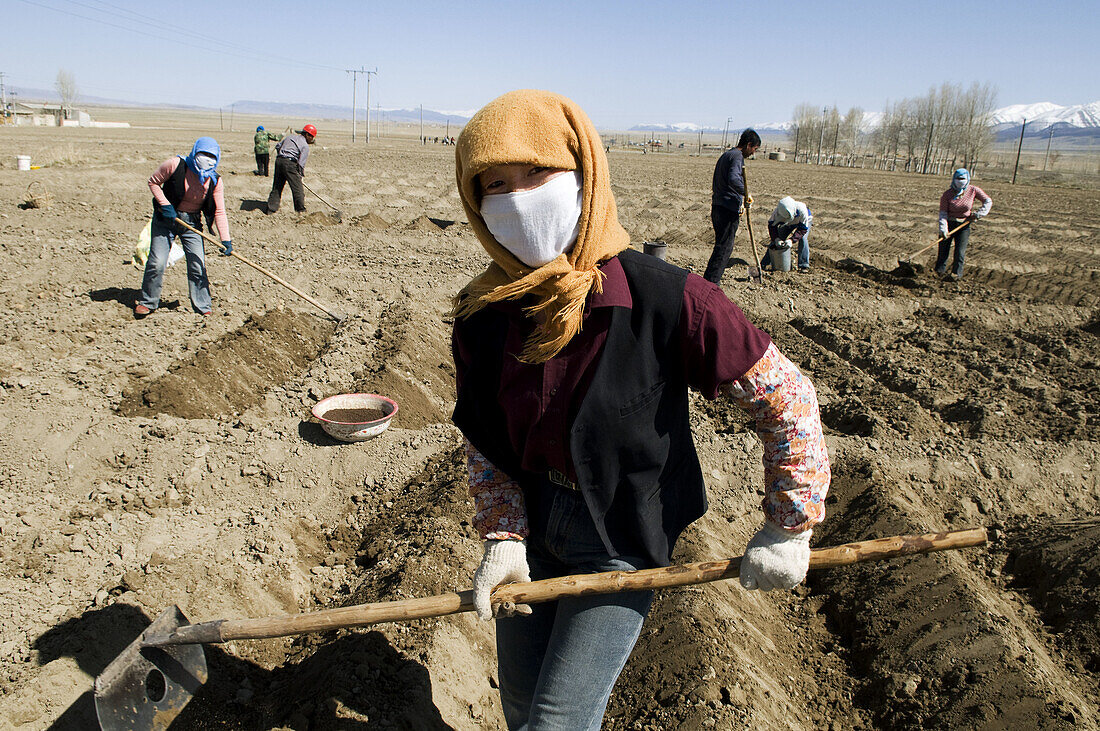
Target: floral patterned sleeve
[(499, 510), (783, 403)]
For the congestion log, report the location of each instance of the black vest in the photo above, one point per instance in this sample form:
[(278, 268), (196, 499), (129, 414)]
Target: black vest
[(173, 191), (631, 440)]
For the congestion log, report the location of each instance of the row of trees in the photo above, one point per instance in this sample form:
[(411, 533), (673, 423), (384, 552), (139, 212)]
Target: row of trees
[(946, 128)]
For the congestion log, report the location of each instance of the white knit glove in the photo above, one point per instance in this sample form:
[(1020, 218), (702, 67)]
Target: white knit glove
[(943, 227), (504, 562), (775, 559)]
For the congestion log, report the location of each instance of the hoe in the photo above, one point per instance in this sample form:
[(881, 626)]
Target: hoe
[(151, 681)]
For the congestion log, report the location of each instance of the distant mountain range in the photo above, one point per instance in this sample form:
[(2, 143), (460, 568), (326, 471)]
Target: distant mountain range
[(1082, 120)]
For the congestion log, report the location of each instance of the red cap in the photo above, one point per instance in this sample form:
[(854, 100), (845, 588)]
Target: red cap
[(310, 130)]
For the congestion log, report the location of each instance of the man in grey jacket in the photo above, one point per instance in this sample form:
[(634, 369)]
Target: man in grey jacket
[(290, 167)]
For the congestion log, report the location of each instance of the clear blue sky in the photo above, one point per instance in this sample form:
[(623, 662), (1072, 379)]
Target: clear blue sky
[(624, 63)]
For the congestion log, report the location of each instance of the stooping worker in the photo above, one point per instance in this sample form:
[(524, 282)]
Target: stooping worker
[(956, 208), (790, 222), (290, 167), (187, 188), (573, 357), (263, 152), (727, 199)]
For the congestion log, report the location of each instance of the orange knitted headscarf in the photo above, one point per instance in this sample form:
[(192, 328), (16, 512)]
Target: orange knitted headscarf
[(539, 128)]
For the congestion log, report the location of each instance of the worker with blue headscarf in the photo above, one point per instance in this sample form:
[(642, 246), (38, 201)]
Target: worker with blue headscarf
[(263, 151), (957, 209), (185, 188)]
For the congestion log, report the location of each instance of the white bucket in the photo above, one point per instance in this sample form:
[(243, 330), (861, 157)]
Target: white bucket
[(23, 162), (780, 258)]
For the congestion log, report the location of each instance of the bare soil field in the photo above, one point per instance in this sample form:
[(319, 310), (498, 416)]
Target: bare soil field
[(173, 460)]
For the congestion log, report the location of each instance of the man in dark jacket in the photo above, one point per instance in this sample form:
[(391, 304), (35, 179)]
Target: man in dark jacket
[(290, 167), (726, 201)]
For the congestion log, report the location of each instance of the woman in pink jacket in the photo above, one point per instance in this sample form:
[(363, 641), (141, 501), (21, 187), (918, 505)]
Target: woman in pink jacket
[(957, 208), (186, 188)]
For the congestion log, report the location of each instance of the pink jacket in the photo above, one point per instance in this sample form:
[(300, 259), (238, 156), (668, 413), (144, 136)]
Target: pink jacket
[(193, 194)]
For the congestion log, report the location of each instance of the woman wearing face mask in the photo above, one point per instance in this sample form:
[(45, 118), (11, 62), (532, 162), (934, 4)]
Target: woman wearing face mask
[(185, 188), (574, 354), (956, 208)]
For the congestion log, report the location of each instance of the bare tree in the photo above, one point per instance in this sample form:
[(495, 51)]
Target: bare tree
[(66, 89), (849, 132), (805, 128)]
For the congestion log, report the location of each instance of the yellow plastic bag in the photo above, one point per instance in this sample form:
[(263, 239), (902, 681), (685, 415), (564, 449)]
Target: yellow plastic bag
[(141, 251)]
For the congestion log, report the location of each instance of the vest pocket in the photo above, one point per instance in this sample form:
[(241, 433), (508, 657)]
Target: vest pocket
[(642, 400)]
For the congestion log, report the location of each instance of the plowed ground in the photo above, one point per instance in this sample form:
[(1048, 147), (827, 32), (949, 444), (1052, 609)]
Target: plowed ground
[(173, 460)]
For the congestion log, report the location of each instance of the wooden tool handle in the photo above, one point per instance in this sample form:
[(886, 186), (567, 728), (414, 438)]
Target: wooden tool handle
[(311, 190), (941, 239), (335, 315), (748, 223), (533, 592)]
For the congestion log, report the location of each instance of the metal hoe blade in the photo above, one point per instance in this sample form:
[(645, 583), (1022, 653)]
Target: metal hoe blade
[(147, 687)]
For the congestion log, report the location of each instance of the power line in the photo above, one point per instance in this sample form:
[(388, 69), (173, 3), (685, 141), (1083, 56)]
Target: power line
[(201, 41)]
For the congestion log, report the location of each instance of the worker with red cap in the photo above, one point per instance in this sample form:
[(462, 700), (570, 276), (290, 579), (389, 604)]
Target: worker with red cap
[(290, 167)]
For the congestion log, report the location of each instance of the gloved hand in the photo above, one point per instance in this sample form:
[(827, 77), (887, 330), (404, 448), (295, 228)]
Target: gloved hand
[(943, 227), (227, 248), (167, 212), (504, 562), (775, 559), (748, 201)]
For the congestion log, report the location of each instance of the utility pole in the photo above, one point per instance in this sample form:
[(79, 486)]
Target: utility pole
[(231, 106), (422, 140), (727, 131), (3, 96), (1018, 149), (354, 77), (821, 137), (927, 150), (368, 73), (1049, 138)]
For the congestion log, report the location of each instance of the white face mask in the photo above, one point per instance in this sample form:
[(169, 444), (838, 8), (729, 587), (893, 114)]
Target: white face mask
[(204, 161), (537, 225)]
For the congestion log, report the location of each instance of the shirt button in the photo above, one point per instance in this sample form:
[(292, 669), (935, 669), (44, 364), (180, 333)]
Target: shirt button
[(553, 442), (553, 391)]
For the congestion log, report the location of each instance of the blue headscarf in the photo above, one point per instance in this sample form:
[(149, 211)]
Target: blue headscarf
[(210, 146), (260, 128), (963, 175)]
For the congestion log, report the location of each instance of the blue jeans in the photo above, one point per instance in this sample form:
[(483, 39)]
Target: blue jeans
[(961, 238), (559, 664), (159, 244), (782, 232)]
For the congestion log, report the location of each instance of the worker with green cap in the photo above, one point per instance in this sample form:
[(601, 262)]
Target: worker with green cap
[(263, 155)]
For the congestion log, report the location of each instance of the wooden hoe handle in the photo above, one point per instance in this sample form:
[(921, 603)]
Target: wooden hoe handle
[(941, 239), (748, 224), (224, 630), (335, 315)]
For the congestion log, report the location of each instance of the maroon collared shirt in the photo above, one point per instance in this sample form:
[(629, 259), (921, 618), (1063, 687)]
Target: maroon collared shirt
[(541, 400)]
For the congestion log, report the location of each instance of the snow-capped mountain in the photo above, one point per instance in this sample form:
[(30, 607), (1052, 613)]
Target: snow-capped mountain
[(1045, 114), (1076, 120)]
